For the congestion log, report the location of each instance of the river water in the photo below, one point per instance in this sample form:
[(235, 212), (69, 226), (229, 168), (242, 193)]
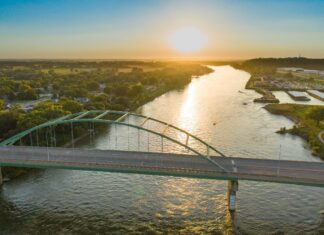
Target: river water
[(215, 107)]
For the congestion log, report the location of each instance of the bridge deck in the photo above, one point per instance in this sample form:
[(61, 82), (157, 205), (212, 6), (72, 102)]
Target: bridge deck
[(295, 172)]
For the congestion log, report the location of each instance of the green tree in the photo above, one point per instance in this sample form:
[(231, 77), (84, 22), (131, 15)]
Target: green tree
[(136, 90), (108, 89), (92, 86), (41, 113), (317, 114), (2, 105), (25, 92), (71, 105), (121, 90), (8, 122), (74, 92)]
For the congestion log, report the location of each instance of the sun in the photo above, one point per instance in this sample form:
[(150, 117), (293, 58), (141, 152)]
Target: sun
[(187, 40)]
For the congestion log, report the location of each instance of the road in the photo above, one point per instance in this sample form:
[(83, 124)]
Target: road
[(282, 171)]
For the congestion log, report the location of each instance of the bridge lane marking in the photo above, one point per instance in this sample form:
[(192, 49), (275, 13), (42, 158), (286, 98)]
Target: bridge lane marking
[(248, 167)]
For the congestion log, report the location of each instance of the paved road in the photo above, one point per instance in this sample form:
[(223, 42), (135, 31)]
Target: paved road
[(295, 172)]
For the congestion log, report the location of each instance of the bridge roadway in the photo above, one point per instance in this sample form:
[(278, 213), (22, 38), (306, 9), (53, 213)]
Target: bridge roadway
[(193, 166)]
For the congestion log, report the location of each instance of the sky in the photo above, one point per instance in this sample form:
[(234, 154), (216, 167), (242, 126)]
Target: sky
[(141, 29)]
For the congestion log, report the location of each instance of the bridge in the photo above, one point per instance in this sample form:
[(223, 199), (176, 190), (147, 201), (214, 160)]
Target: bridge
[(197, 159)]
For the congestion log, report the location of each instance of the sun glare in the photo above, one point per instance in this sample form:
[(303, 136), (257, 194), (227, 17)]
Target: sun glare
[(187, 40)]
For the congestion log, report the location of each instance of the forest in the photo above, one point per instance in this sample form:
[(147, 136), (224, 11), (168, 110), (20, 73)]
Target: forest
[(74, 86)]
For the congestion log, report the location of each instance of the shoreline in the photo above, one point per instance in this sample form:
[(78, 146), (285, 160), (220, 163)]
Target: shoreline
[(10, 173), (267, 95), (303, 127), (273, 106)]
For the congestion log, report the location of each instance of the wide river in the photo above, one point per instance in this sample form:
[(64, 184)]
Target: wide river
[(215, 107)]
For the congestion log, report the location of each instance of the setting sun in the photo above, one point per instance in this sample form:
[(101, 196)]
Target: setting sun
[(187, 40)]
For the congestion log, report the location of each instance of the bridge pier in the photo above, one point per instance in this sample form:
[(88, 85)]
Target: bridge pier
[(232, 188)]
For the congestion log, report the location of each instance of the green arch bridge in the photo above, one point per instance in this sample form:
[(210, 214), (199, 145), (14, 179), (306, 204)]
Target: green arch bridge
[(37, 148)]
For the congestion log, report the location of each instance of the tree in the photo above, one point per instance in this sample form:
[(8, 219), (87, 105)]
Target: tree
[(96, 106), (28, 94), (25, 92), (121, 90), (40, 114), (108, 89), (92, 86), (74, 92), (71, 105), (99, 102), (2, 106), (8, 122), (136, 89), (317, 114)]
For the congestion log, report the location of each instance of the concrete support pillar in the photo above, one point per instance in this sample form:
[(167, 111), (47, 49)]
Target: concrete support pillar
[(232, 188), (1, 180)]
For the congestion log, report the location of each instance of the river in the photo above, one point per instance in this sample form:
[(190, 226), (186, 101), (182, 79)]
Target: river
[(218, 109)]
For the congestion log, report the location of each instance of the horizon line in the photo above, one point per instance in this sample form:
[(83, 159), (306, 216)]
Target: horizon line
[(153, 59)]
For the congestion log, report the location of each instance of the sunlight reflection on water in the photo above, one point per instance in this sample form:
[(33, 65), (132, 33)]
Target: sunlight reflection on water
[(216, 108)]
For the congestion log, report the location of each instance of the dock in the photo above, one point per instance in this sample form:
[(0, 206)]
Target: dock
[(298, 95), (316, 94)]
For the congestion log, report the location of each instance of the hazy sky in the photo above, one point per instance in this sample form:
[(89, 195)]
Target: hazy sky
[(141, 28)]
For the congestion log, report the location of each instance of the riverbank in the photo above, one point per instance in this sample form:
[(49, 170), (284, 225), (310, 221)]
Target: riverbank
[(131, 100), (265, 79), (306, 126), (276, 74), (267, 95)]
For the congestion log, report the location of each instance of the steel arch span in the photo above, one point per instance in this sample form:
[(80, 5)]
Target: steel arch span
[(98, 116)]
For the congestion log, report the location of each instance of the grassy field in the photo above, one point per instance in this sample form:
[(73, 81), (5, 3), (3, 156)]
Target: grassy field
[(306, 127)]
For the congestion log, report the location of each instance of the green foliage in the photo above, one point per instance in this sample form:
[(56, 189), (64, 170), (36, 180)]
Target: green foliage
[(128, 85), (269, 65), (2, 105), (99, 102), (317, 114), (92, 86), (307, 119), (40, 114), (8, 123), (71, 105), (136, 90), (121, 90), (17, 90), (74, 92), (27, 93)]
